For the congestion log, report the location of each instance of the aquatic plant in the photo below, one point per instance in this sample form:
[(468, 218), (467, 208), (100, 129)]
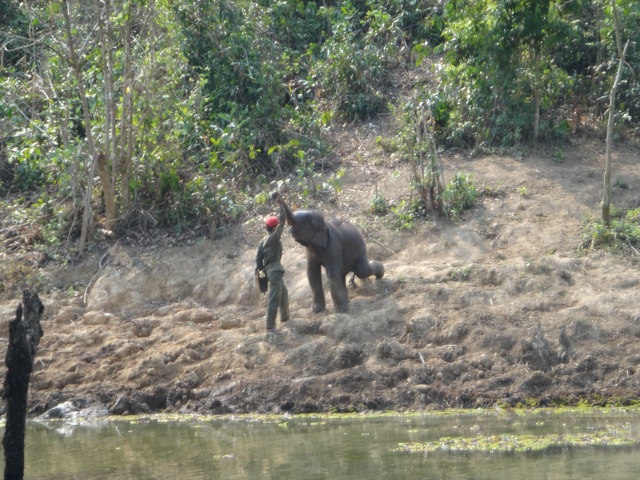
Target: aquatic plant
[(506, 443)]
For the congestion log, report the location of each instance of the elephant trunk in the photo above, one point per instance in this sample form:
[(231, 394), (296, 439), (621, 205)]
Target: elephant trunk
[(288, 214), (377, 268)]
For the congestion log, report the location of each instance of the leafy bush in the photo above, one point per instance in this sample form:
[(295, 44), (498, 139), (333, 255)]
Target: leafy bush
[(296, 24), (183, 202), (460, 195), (634, 215), (351, 65), (415, 140), (502, 86), (305, 179), (379, 204), (493, 191), (20, 274), (623, 233), (403, 217)]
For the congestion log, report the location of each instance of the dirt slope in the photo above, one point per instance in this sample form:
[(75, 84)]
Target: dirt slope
[(498, 308)]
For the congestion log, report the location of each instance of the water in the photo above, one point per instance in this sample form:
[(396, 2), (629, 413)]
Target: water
[(315, 448)]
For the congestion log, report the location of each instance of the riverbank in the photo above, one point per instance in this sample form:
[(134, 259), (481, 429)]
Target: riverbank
[(502, 307)]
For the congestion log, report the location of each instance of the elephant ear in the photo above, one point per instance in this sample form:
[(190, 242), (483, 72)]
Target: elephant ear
[(320, 238)]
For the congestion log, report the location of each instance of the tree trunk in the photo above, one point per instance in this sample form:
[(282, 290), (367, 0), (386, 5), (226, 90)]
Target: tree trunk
[(536, 116), (24, 337), (107, 180), (107, 189), (536, 94), (112, 105), (606, 198), (126, 121), (75, 65)]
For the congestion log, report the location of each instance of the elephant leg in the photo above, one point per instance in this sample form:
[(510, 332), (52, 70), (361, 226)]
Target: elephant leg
[(338, 287), (314, 275)]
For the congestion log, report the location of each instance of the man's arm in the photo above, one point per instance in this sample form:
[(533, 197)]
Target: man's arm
[(281, 215)]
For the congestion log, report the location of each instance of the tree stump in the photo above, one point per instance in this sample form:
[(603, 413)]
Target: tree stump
[(24, 336)]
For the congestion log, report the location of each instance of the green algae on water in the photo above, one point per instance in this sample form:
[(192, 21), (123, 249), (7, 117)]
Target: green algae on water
[(520, 443)]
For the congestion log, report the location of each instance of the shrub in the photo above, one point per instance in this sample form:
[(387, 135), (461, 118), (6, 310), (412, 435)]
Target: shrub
[(623, 233), (379, 205), (404, 218), (460, 195)]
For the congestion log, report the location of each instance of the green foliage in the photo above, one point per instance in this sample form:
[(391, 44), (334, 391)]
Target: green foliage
[(243, 78), (622, 235), (460, 274), (311, 183), (628, 93), (418, 208), (18, 275), (297, 24), (634, 215), (25, 141), (492, 191), (379, 204), (501, 68), (460, 195), (621, 183), (558, 155), (50, 221), (15, 32), (28, 175), (403, 216), (255, 91), (388, 145), (416, 141), (305, 179), (351, 66), (182, 202), (224, 98)]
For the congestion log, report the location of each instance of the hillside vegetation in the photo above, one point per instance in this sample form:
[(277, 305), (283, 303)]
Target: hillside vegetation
[(180, 115)]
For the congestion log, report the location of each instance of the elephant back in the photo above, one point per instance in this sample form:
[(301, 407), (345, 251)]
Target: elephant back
[(349, 233), (313, 218)]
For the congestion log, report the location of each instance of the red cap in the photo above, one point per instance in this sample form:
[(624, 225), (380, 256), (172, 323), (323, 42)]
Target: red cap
[(271, 222)]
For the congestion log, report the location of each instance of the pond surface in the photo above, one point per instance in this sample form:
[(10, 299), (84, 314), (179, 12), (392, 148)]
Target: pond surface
[(464, 445)]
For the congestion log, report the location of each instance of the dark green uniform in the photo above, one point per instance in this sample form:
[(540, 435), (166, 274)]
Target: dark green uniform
[(270, 248)]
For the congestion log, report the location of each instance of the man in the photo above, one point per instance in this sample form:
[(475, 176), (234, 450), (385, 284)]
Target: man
[(268, 260)]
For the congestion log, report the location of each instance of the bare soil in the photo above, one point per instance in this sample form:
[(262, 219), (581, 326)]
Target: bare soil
[(501, 307)]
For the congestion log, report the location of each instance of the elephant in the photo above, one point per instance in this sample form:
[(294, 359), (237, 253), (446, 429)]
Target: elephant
[(337, 246)]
